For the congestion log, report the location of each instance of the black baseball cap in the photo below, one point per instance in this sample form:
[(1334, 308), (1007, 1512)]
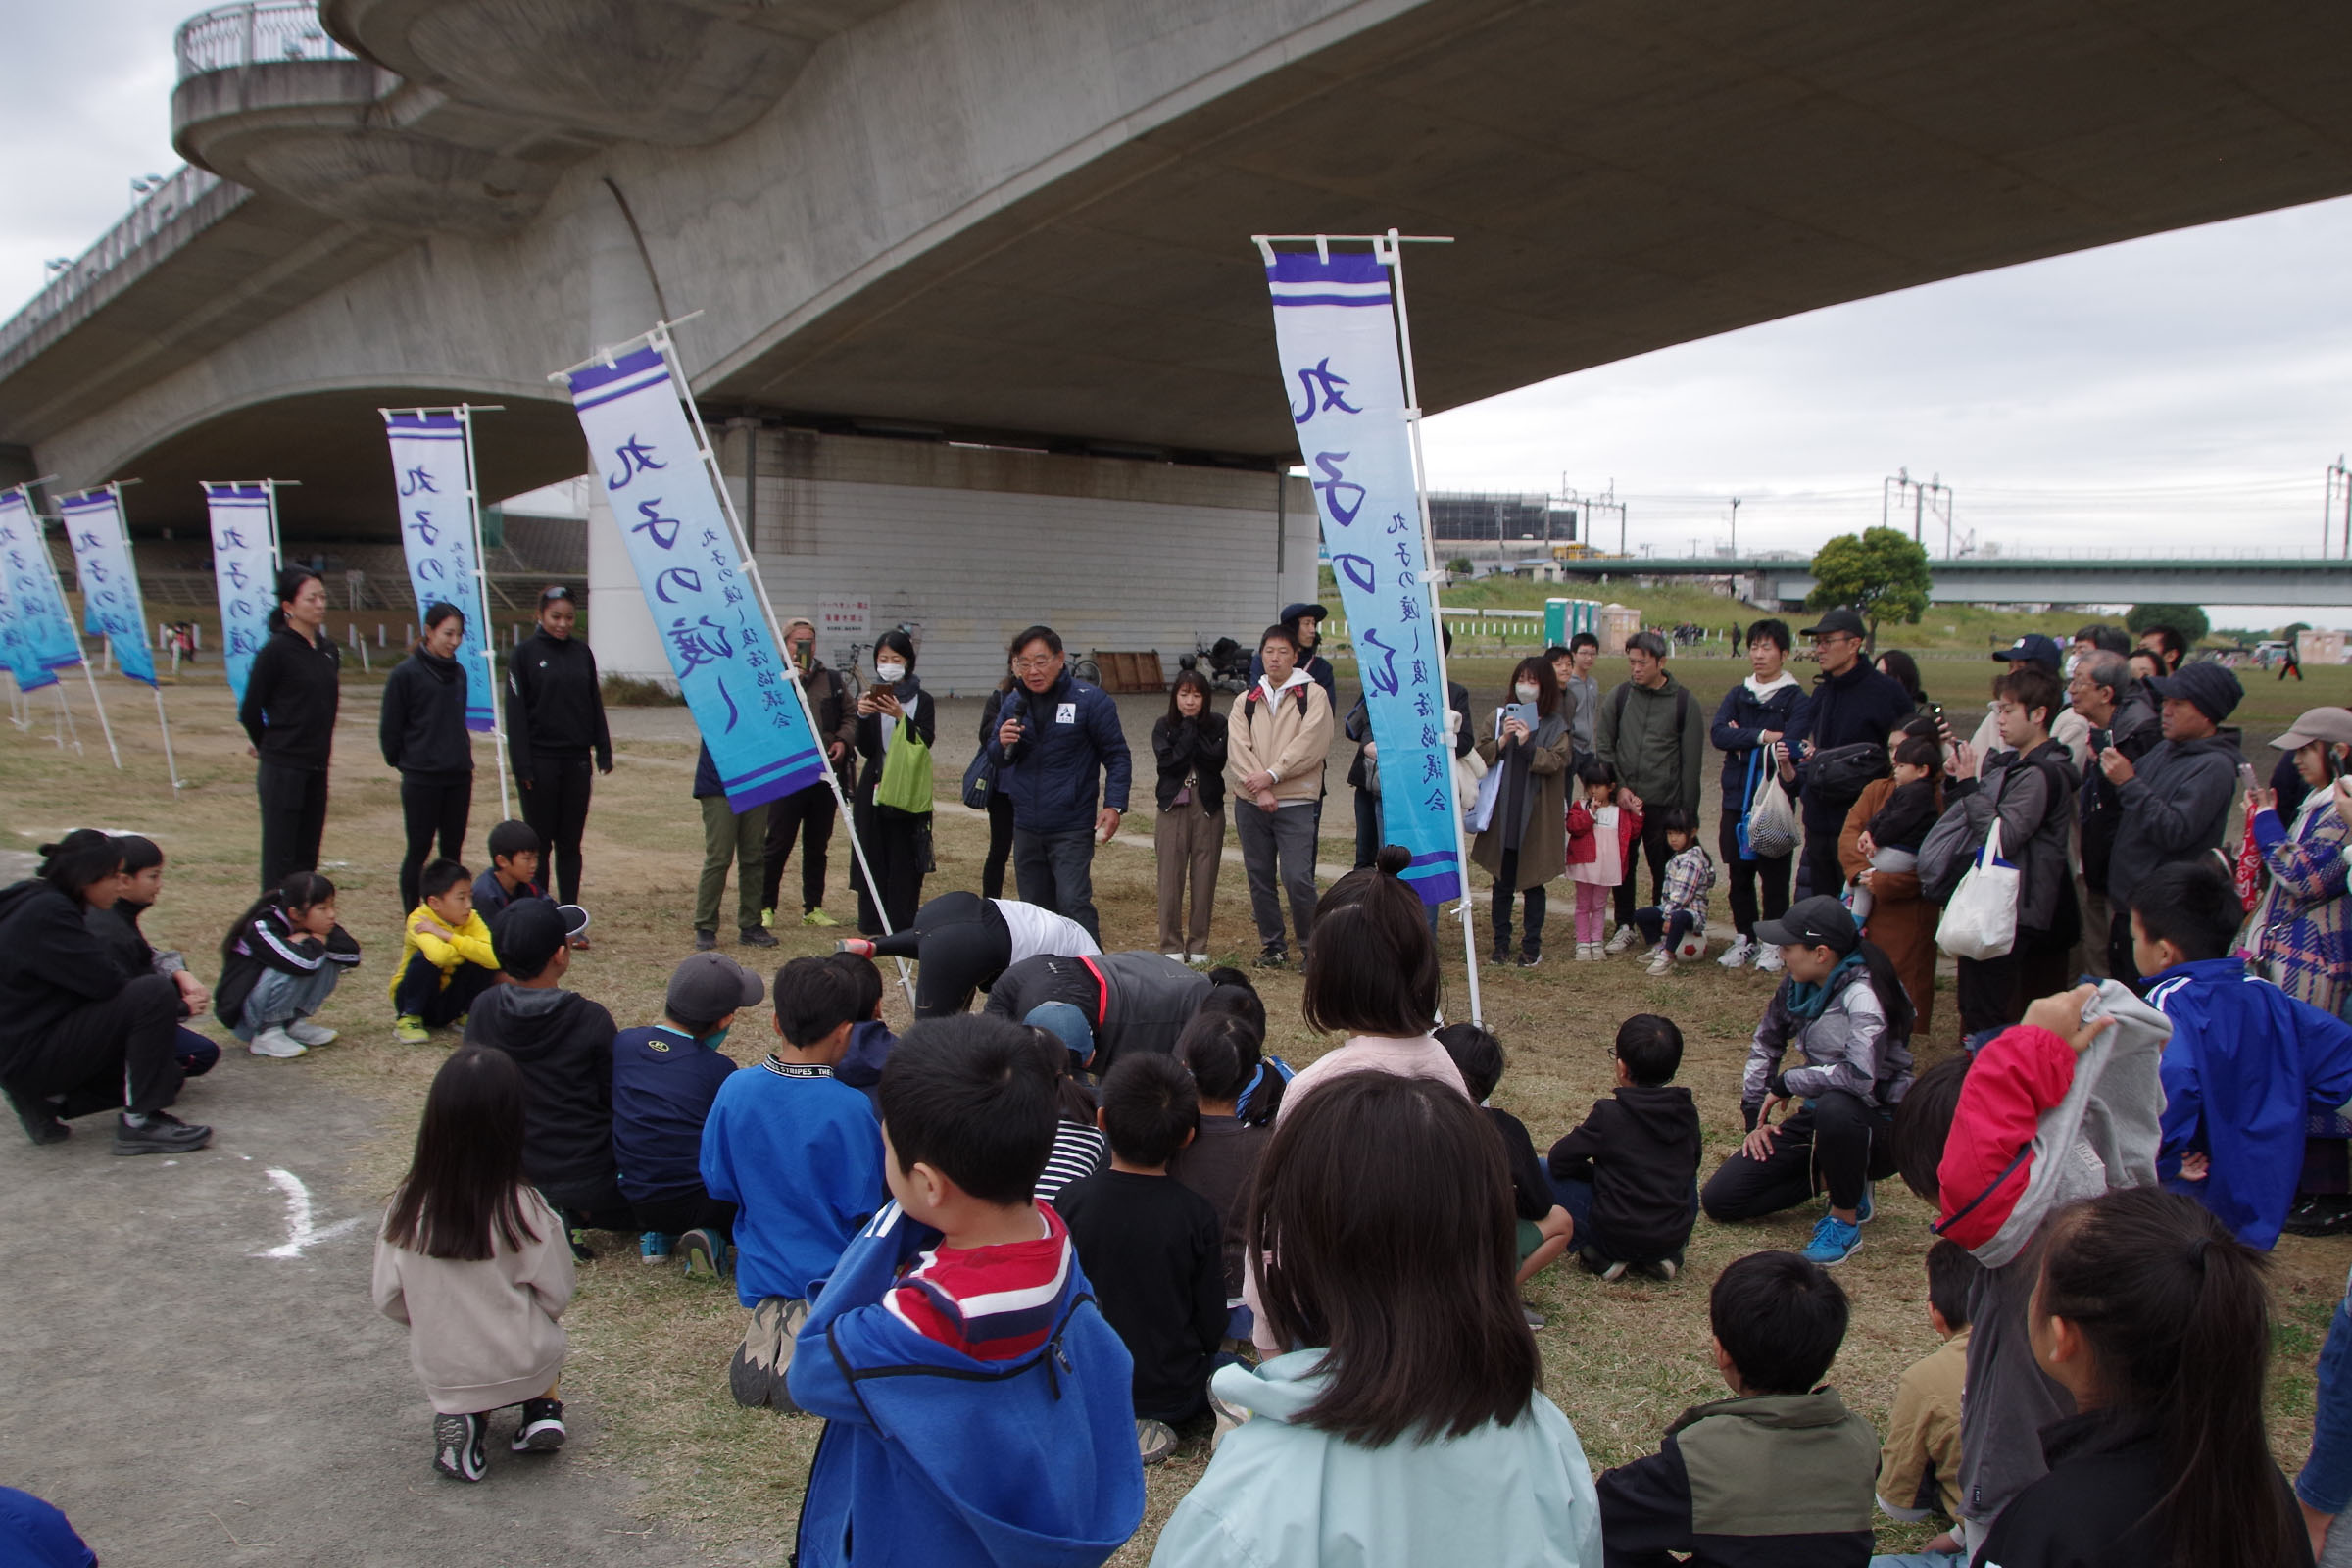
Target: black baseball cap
[(1819, 922), (1838, 620)]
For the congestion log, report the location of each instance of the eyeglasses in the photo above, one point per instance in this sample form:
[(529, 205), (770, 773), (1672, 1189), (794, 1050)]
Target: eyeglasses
[(1033, 667)]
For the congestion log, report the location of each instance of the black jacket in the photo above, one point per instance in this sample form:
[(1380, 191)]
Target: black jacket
[(2175, 807), (2135, 730), (922, 711), (1192, 748), (1861, 705), (1152, 1248), (563, 1044), (423, 727), (555, 703), (1358, 728), (290, 700), (117, 926), (2096, 1507), (51, 964), (1639, 1150), (268, 942), (1153, 997)]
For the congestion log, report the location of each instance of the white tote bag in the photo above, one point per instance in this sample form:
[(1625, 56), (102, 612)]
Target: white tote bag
[(1772, 827), (1980, 919), (1481, 809)]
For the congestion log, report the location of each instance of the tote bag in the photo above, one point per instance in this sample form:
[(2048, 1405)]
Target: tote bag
[(905, 782), (1770, 831), (1981, 921), (1489, 786)]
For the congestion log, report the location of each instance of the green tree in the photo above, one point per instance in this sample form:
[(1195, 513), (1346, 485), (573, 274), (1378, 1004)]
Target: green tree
[(2186, 620), (1881, 574)]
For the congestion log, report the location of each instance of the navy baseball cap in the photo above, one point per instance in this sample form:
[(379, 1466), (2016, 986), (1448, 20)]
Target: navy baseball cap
[(2032, 649), (1819, 922)]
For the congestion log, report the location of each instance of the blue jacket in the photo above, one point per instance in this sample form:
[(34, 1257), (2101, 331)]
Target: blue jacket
[(1740, 719), (663, 1086), (2245, 1069), (930, 1456), (1281, 1492), (800, 1153), (1072, 730)]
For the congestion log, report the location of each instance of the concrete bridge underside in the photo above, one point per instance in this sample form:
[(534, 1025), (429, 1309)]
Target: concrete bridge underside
[(1028, 218), (1992, 580)]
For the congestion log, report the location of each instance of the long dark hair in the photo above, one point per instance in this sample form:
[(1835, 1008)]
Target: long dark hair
[(461, 1198), (1198, 683), (289, 583), (897, 642), (2177, 1317), (1905, 670), (301, 890), (1371, 963), (81, 858), (1548, 685), (1398, 1267), (1888, 981)]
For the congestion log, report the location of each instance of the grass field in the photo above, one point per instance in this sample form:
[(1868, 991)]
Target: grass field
[(649, 1349)]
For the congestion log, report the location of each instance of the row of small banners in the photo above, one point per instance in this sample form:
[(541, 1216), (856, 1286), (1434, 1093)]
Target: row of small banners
[(1339, 330)]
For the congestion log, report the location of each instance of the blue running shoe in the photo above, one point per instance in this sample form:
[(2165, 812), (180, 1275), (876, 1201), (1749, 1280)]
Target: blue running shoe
[(1833, 1241), (1867, 1210), (652, 1246)]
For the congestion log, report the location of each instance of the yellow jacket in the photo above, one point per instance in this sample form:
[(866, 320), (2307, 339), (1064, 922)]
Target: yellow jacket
[(470, 944)]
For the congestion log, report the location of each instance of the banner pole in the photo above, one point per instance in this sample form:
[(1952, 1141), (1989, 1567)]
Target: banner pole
[(659, 337), (96, 702), (481, 599), (64, 727), (169, 761), (1390, 249)]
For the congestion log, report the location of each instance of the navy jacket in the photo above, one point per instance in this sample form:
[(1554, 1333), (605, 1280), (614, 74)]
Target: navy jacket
[(663, 1086), (1740, 719), (1072, 729), (1861, 705)]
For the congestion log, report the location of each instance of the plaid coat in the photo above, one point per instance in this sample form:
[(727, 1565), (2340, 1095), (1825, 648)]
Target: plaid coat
[(2301, 932)]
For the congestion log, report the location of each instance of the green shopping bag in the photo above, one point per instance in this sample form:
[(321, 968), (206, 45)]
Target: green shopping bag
[(905, 782)]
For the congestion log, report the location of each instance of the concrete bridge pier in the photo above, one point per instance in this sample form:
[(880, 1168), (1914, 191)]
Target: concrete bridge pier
[(622, 302)]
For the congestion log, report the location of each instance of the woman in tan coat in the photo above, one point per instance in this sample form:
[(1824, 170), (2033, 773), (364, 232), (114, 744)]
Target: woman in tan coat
[(1901, 923), (1525, 843)]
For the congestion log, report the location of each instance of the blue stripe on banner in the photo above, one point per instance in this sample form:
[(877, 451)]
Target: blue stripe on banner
[(412, 423), (625, 389), (1381, 300), (776, 789), (797, 760), (1345, 266), (632, 363)]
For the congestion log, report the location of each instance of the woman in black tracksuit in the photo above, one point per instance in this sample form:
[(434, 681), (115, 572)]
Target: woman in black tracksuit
[(898, 844), (423, 734), (289, 715), (554, 721)]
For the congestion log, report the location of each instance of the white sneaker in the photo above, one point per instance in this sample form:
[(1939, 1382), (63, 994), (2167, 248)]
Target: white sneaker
[(1661, 960), (275, 1042), (1625, 937), (309, 1033), (1768, 961), (1588, 952), (1742, 951), (1199, 961)]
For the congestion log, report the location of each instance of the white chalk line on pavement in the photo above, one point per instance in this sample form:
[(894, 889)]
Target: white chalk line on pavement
[(301, 1233)]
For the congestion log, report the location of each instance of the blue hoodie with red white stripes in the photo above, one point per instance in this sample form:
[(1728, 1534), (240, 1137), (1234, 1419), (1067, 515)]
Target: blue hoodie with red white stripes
[(978, 1410)]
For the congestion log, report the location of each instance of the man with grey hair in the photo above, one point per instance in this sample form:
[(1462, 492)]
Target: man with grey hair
[(2120, 715), (807, 813), (1651, 730)]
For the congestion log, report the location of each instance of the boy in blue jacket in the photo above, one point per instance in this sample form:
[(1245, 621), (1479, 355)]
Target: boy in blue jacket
[(2247, 1065), (666, 1078), (977, 1404), (799, 1155)]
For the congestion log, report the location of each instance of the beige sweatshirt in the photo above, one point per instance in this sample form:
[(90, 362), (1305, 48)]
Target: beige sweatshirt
[(1274, 734), (482, 1335)]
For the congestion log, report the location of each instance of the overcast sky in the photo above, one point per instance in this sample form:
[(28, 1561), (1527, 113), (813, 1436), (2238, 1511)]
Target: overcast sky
[(2181, 393)]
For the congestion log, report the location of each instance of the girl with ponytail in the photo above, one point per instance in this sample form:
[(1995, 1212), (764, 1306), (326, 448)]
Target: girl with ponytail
[(2158, 1321)]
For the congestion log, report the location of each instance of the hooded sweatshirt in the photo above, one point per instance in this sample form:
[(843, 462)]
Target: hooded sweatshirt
[(2174, 807), (935, 1452), (799, 1152), (423, 724), (2246, 1066), (563, 1044), (1278, 1490), (1640, 1149), (51, 964)]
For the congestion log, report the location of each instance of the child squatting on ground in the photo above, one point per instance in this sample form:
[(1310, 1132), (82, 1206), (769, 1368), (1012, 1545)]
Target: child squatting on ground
[(1629, 1175), (1681, 911), (446, 955), (472, 1259), (279, 964)]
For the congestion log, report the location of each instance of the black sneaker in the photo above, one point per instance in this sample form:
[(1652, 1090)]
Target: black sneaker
[(38, 1119), (542, 1428), (577, 1236), (751, 936), (1528, 960), (704, 941), (1499, 958), (458, 1446), (164, 1134), (1273, 958), (2319, 1214)]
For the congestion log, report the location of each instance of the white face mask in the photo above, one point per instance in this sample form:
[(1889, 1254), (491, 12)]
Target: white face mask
[(888, 674), (1526, 691)]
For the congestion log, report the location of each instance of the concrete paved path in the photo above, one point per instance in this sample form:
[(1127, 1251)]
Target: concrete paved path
[(196, 1383)]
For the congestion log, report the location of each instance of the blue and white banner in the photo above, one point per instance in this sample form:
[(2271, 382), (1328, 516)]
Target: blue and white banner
[(39, 603), (434, 479), (643, 452), (244, 528), (1335, 329), (109, 582), (15, 648)]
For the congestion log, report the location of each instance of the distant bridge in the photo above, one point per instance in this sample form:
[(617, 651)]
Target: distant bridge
[(2312, 580)]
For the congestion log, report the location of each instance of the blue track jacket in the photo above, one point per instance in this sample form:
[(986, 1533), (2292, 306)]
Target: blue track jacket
[(1072, 731), (2246, 1068), (930, 1456)]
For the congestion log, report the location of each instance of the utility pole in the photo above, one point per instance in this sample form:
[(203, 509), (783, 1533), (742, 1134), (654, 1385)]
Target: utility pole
[(1735, 528), (1606, 501), (1928, 498), (2340, 491)]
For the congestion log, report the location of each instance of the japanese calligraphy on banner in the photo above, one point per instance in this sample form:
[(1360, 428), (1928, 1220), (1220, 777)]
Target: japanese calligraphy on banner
[(1336, 335), (15, 648), (110, 584), (244, 528), (34, 596), (435, 482), (645, 457)]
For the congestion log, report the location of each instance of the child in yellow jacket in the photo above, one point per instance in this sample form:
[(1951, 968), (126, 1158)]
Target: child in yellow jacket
[(445, 958)]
